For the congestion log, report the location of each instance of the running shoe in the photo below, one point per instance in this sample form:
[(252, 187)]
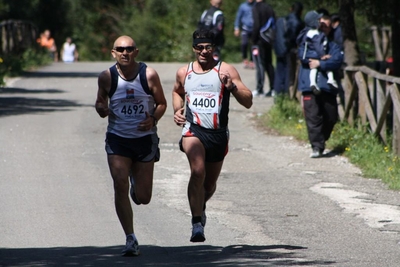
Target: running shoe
[(203, 218), (197, 233), (133, 194), (131, 247)]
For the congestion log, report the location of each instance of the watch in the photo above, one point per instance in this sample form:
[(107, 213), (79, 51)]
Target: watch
[(155, 120)]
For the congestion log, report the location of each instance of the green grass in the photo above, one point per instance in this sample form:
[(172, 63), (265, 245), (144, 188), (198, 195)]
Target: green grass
[(362, 148), (13, 64)]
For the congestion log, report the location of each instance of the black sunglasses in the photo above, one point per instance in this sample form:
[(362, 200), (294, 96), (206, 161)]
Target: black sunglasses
[(121, 49), (202, 47)]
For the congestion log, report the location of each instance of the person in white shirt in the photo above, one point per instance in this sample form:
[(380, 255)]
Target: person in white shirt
[(69, 53)]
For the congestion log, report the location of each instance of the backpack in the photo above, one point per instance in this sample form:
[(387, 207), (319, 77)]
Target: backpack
[(280, 46), (268, 31)]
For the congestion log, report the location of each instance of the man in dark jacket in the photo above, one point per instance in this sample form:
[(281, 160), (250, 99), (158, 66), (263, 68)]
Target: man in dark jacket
[(320, 111), (262, 51), (213, 19), (287, 29)]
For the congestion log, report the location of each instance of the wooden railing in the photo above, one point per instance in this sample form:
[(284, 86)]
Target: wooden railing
[(16, 36), (374, 98)]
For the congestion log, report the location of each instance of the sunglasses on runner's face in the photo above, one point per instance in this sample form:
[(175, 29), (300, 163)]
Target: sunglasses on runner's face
[(121, 49), (202, 47)]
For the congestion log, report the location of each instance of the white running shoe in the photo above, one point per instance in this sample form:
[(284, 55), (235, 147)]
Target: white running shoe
[(197, 233), (131, 247)]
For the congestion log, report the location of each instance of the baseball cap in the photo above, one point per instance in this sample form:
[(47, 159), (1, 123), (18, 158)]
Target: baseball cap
[(311, 19)]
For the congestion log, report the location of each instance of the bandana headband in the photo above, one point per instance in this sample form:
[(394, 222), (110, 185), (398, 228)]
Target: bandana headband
[(202, 40)]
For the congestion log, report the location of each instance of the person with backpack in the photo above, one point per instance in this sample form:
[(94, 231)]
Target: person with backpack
[(130, 94), (262, 49), (213, 19), (285, 48)]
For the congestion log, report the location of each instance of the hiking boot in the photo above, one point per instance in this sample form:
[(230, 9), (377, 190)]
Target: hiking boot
[(131, 247), (132, 191), (197, 233)]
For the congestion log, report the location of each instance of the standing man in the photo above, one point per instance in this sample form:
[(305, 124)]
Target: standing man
[(243, 27), (131, 95), (206, 84), (285, 46), (320, 111), (213, 19), (262, 51)]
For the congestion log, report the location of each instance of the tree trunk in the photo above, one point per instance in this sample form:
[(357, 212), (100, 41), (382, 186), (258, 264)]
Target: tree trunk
[(396, 42), (351, 49)]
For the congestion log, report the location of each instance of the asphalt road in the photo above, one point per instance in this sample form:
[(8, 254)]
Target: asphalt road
[(274, 206)]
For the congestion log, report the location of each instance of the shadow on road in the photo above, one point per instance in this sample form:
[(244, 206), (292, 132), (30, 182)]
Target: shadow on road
[(49, 74), (196, 255), (23, 105)]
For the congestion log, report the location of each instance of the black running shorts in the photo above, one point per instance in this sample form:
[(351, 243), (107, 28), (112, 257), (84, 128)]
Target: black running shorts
[(142, 149)]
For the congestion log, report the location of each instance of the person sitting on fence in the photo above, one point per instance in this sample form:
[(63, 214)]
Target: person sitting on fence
[(315, 46), (48, 42)]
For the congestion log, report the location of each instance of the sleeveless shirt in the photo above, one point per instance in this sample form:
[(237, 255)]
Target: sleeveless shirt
[(128, 105), (207, 100)]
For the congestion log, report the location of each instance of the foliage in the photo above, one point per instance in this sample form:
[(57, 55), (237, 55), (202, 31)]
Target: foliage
[(162, 28), (286, 116), (357, 143)]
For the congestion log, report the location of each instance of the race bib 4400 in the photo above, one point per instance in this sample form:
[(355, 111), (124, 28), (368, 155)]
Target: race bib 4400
[(203, 102)]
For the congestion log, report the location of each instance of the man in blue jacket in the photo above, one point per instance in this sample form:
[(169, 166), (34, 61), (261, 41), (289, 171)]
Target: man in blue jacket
[(320, 111), (243, 28)]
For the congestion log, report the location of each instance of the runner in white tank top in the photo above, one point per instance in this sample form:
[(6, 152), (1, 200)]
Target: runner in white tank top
[(206, 86)]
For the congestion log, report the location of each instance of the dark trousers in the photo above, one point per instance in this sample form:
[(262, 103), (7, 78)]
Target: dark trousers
[(244, 43), (263, 63), (281, 83), (321, 115)]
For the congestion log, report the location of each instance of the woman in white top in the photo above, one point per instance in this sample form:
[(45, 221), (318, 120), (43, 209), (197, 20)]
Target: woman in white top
[(69, 52)]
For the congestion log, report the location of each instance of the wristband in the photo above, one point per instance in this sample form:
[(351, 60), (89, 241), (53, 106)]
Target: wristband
[(155, 120), (233, 88)]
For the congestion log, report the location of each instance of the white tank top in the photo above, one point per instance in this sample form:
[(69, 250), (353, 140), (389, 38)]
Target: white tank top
[(207, 100), (128, 106)]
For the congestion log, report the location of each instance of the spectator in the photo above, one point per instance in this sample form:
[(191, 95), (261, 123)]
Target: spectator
[(320, 111), (285, 47), (337, 29), (314, 48), (243, 27), (261, 50), (69, 53), (213, 19), (48, 42)]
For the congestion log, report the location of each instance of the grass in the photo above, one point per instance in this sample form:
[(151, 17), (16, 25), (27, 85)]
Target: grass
[(361, 147), (13, 64)]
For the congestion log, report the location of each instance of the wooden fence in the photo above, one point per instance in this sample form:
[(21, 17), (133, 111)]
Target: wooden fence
[(16, 36), (374, 98)]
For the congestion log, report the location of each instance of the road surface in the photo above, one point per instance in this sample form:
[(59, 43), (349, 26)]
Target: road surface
[(274, 206)]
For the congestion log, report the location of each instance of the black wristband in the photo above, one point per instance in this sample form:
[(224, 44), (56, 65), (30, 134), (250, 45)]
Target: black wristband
[(233, 88)]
